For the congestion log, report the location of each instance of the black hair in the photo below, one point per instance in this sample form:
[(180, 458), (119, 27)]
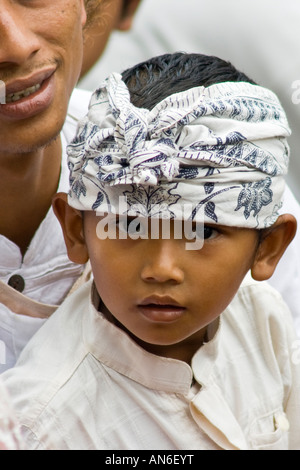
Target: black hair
[(91, 7), (155, 79)]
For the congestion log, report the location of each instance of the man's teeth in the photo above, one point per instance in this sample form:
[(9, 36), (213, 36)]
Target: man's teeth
[(22, 94)]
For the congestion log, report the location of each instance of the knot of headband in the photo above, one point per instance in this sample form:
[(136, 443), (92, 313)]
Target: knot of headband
[(221, 150)]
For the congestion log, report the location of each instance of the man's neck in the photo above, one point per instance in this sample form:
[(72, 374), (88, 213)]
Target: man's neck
[(27, 185)]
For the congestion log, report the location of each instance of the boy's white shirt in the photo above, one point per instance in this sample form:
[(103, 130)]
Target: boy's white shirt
[(87, 385), (46, 268)]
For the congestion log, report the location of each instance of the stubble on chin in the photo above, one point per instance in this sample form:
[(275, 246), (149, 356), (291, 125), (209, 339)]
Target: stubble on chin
[(22, 149)]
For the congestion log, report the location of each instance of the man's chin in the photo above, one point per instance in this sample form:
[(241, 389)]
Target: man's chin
[(20, 147)]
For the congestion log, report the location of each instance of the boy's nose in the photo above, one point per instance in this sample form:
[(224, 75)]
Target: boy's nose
[(17, 41), (163, 262)]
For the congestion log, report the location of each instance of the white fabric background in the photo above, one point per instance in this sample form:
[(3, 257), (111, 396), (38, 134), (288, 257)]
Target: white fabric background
[(260, 37)]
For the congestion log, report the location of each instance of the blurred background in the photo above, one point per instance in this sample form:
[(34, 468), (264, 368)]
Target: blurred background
[(260, 38)]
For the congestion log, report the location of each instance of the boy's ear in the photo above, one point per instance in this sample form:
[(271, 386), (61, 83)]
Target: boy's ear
[(71, 222), (273, 244), (129, 9)]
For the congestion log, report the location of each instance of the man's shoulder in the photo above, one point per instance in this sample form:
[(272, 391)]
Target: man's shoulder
[(49, 359), (78, 108), (79, 103)]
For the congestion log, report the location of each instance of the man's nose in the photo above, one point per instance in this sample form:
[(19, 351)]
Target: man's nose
[(163, 262), (17, 40)]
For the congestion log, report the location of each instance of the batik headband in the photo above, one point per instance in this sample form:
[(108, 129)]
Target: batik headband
[(215, 154)]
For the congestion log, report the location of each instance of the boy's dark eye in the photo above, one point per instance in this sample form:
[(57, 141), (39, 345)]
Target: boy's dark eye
[(205, 232), (208, 232)]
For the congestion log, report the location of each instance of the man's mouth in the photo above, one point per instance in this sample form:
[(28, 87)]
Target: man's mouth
[(13, 97), (24, 87), (28, 96)]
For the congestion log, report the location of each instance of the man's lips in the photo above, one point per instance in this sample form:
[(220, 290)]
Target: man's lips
[(30, 96), (13, 97), (19, 85), (161, 309)]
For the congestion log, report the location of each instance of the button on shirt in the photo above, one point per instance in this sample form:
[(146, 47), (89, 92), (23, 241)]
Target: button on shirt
[(87, 385), (45, 274), (17, 282)]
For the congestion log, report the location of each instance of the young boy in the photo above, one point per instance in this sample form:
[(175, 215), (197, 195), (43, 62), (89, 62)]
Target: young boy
[(176, 181)]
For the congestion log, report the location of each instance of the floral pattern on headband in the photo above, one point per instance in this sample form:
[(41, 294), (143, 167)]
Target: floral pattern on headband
[(223, 147), (254, 196)]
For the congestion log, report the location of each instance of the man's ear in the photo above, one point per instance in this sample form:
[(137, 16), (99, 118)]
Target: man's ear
[(129, 9), (71, 222), (83, 13), (274, 242)]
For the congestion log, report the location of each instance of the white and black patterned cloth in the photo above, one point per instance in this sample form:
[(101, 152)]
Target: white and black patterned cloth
[(218, 154)]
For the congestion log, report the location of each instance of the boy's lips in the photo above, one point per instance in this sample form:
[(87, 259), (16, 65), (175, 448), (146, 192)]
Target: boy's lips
[(29, 96), (161, 309)]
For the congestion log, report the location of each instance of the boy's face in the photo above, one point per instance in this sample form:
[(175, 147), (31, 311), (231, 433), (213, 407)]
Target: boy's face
[(41, 46), (163, 294)]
